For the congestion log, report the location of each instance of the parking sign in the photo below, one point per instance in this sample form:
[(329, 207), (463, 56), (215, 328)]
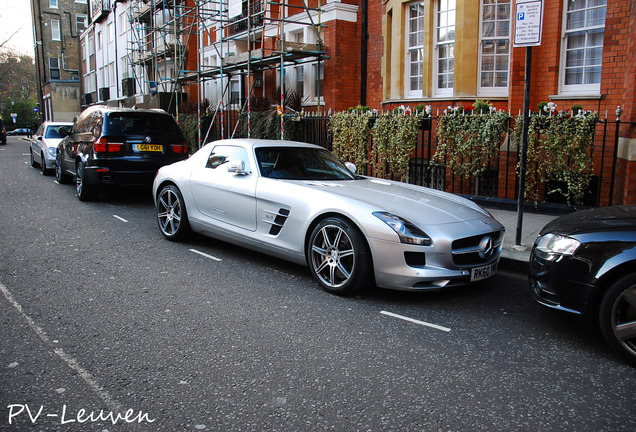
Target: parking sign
[(528, 23)]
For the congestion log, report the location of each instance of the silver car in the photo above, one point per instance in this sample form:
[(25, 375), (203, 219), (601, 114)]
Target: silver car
[(44, 145), (298, 202)]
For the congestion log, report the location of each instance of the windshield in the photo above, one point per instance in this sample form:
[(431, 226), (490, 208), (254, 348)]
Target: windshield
[(127, 123), (54, 131), (301, 163)]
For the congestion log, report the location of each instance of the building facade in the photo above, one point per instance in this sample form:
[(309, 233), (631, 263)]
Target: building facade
[(57, 25), (453, 52)]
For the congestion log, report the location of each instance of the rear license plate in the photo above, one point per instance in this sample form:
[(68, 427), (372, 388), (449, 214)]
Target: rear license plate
[(147, 148), (481, 273)]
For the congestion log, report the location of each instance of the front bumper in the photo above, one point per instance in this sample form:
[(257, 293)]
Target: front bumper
[(563, 284), (398, 266)]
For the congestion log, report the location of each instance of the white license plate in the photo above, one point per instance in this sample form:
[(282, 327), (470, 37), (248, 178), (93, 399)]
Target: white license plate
[(481, 273)]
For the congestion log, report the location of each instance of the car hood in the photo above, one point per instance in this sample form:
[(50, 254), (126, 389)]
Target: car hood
[(417, 204), (597, 219), (51, 142)]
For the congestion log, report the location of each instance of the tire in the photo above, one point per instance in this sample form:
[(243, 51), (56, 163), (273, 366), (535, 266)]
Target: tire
[(339, 258), (45, 170), (617, 317), (172, 216), (34, 164), (60, 175), (84, 190)]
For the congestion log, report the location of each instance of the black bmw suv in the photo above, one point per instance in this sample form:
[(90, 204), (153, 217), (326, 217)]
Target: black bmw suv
[(117, 146)]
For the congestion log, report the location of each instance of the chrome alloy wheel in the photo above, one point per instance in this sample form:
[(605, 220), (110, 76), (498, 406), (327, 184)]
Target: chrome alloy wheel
[(169, 212), (333, 256)]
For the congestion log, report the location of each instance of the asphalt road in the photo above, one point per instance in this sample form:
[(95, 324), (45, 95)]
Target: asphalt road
[(103, 320)]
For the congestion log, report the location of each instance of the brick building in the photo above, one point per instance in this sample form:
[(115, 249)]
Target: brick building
[(57, 25), (447, 52)]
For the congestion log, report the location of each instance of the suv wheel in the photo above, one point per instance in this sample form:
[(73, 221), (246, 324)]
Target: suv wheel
[(84, 190)]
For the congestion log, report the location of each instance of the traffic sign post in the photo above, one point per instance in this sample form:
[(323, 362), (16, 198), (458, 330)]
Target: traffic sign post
[(528, 30)]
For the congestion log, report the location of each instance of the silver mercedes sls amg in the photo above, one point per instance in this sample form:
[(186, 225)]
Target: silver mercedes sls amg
[(298, 202)]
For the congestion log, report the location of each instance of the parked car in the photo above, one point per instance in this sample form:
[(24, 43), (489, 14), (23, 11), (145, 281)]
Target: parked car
[(298, 202), (3, 133), (20, 131), (43, 146), (118, 146), (585, 263)]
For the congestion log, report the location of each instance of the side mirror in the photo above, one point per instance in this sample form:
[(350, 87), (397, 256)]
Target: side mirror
[(237, 167), (352, 167), (63, 131)]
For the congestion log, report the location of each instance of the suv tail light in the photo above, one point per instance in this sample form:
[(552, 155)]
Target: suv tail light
[(102, 145), (180, 148)]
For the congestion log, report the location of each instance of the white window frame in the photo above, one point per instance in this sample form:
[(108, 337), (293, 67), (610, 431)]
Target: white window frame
[(56, 32), (51, 68), (444, 91), (415, 48), (53, 4), (496, 39), (580, 89), (84, 19)]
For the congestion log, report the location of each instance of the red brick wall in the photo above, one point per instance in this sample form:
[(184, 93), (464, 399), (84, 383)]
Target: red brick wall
[(342, 70), (375, 50)]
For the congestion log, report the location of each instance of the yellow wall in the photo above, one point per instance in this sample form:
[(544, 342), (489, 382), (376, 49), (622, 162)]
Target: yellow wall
[(466, 49)]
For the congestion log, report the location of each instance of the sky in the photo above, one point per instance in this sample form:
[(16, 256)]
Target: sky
[(15, 16)]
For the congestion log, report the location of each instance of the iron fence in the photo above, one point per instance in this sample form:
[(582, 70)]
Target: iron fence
[(500, 179)]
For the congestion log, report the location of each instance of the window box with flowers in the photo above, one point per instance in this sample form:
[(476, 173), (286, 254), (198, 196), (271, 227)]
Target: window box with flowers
[(559, 153), (468, 140)]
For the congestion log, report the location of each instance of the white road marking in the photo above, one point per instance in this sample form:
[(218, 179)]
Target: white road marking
[(120, 218), (435, 326), (70, 361), (206, 255)]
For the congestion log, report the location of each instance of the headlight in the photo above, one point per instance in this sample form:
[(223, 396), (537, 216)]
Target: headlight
[(552, 247), (407, 231), (52, 151)]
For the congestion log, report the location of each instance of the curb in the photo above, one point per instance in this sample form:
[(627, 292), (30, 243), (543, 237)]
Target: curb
[(515, 259)]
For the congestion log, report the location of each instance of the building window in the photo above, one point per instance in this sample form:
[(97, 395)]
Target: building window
[(235, 90), (100, 41), (444, 47), (54, 68), (55, 30), (319, 84), (415, 50), (494, 52), (300, 81), (91, 46), (53, 4), (582, 56), (81, 22)]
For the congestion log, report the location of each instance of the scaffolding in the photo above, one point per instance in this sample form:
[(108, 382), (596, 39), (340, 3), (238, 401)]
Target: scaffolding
[(209, 46)]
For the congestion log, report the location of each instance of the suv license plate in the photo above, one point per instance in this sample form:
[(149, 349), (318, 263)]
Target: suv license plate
[(481, 273), (147, 147)]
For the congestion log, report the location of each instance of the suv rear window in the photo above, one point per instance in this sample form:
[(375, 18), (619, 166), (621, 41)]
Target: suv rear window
[(139, 123)]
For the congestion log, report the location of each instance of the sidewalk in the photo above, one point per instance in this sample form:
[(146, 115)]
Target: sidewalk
[(515, 257)]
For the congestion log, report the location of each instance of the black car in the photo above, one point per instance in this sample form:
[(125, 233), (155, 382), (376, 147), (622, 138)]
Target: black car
[(117, 146), (585, 263), (20, 131), (3, 133)]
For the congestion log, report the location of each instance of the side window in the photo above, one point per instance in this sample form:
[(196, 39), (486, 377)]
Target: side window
[(81, 125), (40, 130), (223, 154)]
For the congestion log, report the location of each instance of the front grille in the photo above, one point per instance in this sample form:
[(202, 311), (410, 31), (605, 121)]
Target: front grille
[(415, 259), (477, 250)]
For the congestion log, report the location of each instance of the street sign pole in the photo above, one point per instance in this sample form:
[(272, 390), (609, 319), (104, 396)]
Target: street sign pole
[(528, 30), (524, 146)]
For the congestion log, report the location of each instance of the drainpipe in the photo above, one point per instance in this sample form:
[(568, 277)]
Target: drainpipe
[(363, 52)]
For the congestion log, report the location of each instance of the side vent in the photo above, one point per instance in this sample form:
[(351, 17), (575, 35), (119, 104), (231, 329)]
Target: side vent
[(277, 220)]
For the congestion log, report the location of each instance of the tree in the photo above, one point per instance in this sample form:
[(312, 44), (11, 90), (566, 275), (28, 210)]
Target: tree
[(18, 88)]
